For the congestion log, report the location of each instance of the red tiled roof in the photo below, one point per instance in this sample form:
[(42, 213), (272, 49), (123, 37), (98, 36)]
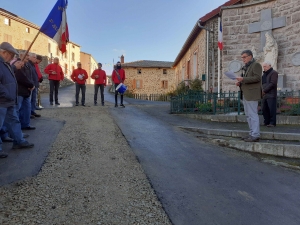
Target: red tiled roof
[(194, 33)]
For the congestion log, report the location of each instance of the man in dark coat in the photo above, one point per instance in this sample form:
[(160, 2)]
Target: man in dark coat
[(269, 92)]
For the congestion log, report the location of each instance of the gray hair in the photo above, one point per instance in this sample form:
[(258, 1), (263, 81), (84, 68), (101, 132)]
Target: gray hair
[(31, 54), (248, 52), (267, 63)]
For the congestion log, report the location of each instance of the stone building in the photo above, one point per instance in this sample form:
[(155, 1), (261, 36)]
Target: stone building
[(149, 77), (198, 56), (89, 64), (20, 33), (244, 27)]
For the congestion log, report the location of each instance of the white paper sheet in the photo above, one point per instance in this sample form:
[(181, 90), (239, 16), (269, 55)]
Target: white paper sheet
[(230, 75)]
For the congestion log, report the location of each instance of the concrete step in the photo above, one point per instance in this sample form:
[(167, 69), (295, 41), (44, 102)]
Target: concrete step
[(272, 143)]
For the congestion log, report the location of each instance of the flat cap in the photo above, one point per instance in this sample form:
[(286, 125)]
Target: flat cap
[(8, 47)]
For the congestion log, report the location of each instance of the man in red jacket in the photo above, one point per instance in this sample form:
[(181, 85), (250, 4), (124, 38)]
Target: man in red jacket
[(55, 76), (79, 76), (118, 76), (100, 81)]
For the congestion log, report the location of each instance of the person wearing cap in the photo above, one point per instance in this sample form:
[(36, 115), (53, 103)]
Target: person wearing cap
[(79, 76), (39, 59), (118, 76), (8, 98), (56, 75), (99, 76)]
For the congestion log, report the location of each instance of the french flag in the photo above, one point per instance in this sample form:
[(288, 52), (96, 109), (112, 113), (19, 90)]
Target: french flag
[(56, 26), (220, 37)]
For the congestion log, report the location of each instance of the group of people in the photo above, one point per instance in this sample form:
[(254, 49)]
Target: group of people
[(19, 81), (79, 76), (258, 82), (20, 77)]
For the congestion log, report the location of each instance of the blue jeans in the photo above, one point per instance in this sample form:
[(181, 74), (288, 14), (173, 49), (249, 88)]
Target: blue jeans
[(9, 118), (33, 100), (3, 132), (24, 110)]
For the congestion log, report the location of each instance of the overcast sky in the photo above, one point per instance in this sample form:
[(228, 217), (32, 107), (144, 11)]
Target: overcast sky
[(139, 29)]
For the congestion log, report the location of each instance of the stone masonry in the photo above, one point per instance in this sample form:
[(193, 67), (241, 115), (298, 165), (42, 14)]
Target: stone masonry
[(236, 37), (150, 80)]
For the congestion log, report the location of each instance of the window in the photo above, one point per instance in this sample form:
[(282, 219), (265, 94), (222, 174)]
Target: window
[(137, 84), (7, 21), (27, 29), (188, 69), (7, 38), (27, 44), (164, 71), (73, 56), (139, 71), (49, 47), (66, 68), (164, 84)]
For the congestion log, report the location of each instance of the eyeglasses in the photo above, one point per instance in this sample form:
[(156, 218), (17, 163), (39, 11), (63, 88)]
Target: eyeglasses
[(244, 57)]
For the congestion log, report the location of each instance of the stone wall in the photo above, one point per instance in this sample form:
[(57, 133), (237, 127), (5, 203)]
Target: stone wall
[(150, 80), (199, 48), (236, 37)]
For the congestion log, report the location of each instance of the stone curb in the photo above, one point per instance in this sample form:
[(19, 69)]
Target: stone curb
[(283, 150), (242, 133), (283, 120)]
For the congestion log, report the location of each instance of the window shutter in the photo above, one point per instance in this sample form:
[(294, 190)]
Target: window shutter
[(166, 84), (133, 84), (141, 83)]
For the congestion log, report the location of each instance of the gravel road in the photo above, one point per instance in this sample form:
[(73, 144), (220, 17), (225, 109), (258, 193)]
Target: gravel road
[(91, 176)]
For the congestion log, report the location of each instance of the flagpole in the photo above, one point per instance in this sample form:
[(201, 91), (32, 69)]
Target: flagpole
[(31, 45), (219, 57)]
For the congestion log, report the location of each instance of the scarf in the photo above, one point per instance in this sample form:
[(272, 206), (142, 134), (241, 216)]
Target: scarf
[(246, 66)]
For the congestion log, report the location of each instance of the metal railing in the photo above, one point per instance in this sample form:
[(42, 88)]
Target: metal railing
[(152, 97), (288, 103)]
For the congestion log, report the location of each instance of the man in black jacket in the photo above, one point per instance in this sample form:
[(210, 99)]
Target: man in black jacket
[(269, 92), (25, 86)]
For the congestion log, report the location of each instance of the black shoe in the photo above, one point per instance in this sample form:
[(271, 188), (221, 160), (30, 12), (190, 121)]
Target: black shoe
[(28, 128), (38, 108), (116, 105), (57, 103), (25, 144), (32, 116), (271, 125), (25, 135), (122, 105), (7, 139), (83, 104), (3, 155), (95, 103), (51, 103), (252, 139), (77, 104), (35, 115)]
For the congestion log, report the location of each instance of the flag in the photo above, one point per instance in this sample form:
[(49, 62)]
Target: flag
[(56, 26), (220, 37)]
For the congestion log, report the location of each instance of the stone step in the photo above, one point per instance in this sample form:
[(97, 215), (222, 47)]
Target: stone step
[(231, 139)]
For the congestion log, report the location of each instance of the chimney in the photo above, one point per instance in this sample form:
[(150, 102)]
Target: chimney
[(122, 58)]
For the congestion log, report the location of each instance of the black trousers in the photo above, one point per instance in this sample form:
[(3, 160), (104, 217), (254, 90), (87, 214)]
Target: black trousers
[(116, 96), (96, 87), (78, 88), (269, 110), (54, 85)]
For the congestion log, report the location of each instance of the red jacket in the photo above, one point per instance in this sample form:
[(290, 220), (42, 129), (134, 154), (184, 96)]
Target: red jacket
[(115, 77), (56, 68), (78, 72), (37, 68), (102, 76)]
